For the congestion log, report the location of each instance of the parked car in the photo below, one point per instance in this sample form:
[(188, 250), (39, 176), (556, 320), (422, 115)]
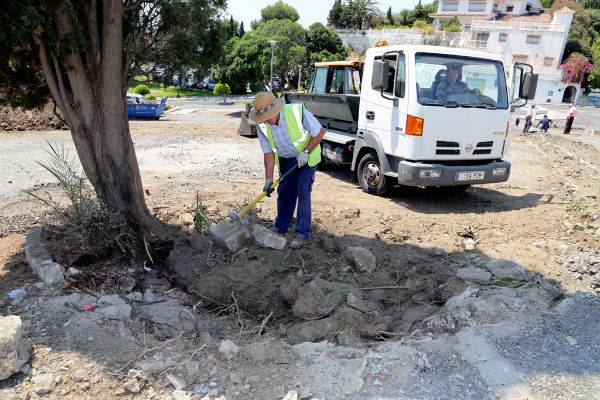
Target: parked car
[(208, 83)]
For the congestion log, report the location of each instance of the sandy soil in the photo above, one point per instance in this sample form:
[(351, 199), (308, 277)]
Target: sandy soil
[(544, 218)]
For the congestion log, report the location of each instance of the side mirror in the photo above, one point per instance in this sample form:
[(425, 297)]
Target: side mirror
[(381, 70), (528, 86)]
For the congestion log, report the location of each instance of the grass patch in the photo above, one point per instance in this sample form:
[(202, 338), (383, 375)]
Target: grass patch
[(158, 90)]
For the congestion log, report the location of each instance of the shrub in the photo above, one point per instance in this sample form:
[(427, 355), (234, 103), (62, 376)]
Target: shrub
[(222, 89), (141, 89), (420, 23), (151, 97)]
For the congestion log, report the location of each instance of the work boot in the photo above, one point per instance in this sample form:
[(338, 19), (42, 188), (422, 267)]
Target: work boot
[(277, 231), (298, 243)]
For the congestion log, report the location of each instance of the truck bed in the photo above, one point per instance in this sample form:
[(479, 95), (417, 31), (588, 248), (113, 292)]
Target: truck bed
[(334, 111)]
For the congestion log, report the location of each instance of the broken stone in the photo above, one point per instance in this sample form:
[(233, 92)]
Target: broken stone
[(132, 385), (312, 331), (43, 384), (113, 307), (186, 219), (230, 235), (361, 258), (38, 257), (14, 350), (265, 237), (474, 275), (177, 382), (507, 269), (228, 349), (356, 300), (468, 244), (314, 299)]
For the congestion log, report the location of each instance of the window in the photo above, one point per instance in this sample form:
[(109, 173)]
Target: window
[(548, 61), (435, 73), (396, 75), (400, 77), (509, 9), (502, 37), (355, 83), (533, 39), (520, 58), (477, 5), (450, 5), (320, 81), (337, 81)]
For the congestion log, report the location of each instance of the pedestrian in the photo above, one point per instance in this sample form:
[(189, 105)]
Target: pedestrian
[(570, 118), (529, 118), (289, 135), (545, 123)]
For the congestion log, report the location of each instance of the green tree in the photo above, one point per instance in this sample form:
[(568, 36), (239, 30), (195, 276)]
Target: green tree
[(279, 10), (241, 30), (547, 3), (389, 16), (142, 89), (87, 53), (222, 89), (321, 42), (594, 77), (452, 25), (335, 14)]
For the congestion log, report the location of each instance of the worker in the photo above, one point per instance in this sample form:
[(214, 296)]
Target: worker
[(289, 135), (453, 84)]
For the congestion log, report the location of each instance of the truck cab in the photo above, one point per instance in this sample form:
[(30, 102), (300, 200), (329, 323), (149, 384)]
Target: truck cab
[(423, 116)]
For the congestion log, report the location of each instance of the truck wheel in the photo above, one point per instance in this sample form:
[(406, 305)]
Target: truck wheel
[(371, 177)]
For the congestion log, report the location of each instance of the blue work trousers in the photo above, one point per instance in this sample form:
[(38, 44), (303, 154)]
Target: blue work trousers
[(296, 188)]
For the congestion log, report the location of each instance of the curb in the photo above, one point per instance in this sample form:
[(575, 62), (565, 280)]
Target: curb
[(38, 258)]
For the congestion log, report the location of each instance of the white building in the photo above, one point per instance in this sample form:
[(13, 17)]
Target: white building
[(518, 30)]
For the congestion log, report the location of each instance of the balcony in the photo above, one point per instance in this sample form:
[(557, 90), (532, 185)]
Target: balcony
[(517, 26)]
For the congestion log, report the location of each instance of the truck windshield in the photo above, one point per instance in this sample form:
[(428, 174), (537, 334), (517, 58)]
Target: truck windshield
[(468, 82)]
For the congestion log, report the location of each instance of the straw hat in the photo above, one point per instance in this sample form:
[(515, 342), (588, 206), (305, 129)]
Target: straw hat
[(265, 106)]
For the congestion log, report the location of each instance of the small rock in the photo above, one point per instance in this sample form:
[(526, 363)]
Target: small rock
[(540, 245), (132, 385), (73, 271), (474, 275), (236, 377), (291, 395), (507, 269), (186, 219), (20, 128), (4, 125), (177, 382), (17, 295), (361, 258), (468, 244), (228, 349), (572, 342)]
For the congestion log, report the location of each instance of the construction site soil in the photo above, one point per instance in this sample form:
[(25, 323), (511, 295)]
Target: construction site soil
[(545, 220)]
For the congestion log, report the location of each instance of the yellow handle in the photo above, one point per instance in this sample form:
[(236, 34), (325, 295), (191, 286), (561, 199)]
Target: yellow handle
[(256, 200)]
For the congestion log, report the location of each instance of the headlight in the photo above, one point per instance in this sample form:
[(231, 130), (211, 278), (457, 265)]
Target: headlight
[(430, 173), (497, 171)]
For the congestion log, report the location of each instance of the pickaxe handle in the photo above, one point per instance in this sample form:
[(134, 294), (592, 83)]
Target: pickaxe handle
[(263, 194)]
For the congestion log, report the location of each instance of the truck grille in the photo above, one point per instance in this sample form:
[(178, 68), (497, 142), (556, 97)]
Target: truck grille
[(445, 151), (483, 151), (452, 152), (441, 143), (485, 144)]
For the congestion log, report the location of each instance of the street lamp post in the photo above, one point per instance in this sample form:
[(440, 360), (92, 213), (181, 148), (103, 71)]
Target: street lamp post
[(272, 43)]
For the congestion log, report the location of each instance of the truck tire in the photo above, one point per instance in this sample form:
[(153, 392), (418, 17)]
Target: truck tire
[(371, 177)]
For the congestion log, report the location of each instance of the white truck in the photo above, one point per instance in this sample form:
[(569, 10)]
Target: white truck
[(396, 118)]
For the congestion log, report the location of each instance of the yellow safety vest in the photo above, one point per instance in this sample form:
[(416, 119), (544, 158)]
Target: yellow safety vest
[(298, 134)]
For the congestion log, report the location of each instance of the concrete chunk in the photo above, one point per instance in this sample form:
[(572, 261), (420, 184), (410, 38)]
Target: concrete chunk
[(230, 235), (38, 258), (14, 351), (265, 237), (361, 258), (474, 275)]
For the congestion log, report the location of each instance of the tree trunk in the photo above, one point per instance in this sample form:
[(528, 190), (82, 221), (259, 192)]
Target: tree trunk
[(89, 86)]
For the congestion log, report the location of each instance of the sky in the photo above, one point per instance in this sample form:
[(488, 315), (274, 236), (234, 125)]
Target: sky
[(310, 11)]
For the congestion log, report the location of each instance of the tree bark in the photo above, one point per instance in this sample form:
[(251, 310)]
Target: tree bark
[(87, 86)]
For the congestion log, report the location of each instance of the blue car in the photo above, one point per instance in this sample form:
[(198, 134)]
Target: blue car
[(138, 107)]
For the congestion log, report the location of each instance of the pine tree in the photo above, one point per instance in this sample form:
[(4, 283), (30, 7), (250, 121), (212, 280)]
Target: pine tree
[(241, 30), (389, 17)]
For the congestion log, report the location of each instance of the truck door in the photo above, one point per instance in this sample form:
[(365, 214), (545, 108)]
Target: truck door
[(386, 110)]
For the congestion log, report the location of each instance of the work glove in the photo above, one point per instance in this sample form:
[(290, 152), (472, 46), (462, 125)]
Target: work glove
[(302, 159), (268, 188)]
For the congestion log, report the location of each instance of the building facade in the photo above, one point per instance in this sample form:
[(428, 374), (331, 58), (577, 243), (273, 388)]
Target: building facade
[(518, 30)]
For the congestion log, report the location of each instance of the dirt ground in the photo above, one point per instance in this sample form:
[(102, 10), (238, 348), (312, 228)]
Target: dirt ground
[(546, 219)]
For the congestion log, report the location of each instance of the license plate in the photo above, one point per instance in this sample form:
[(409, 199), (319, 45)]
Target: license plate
[(470, 176)]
